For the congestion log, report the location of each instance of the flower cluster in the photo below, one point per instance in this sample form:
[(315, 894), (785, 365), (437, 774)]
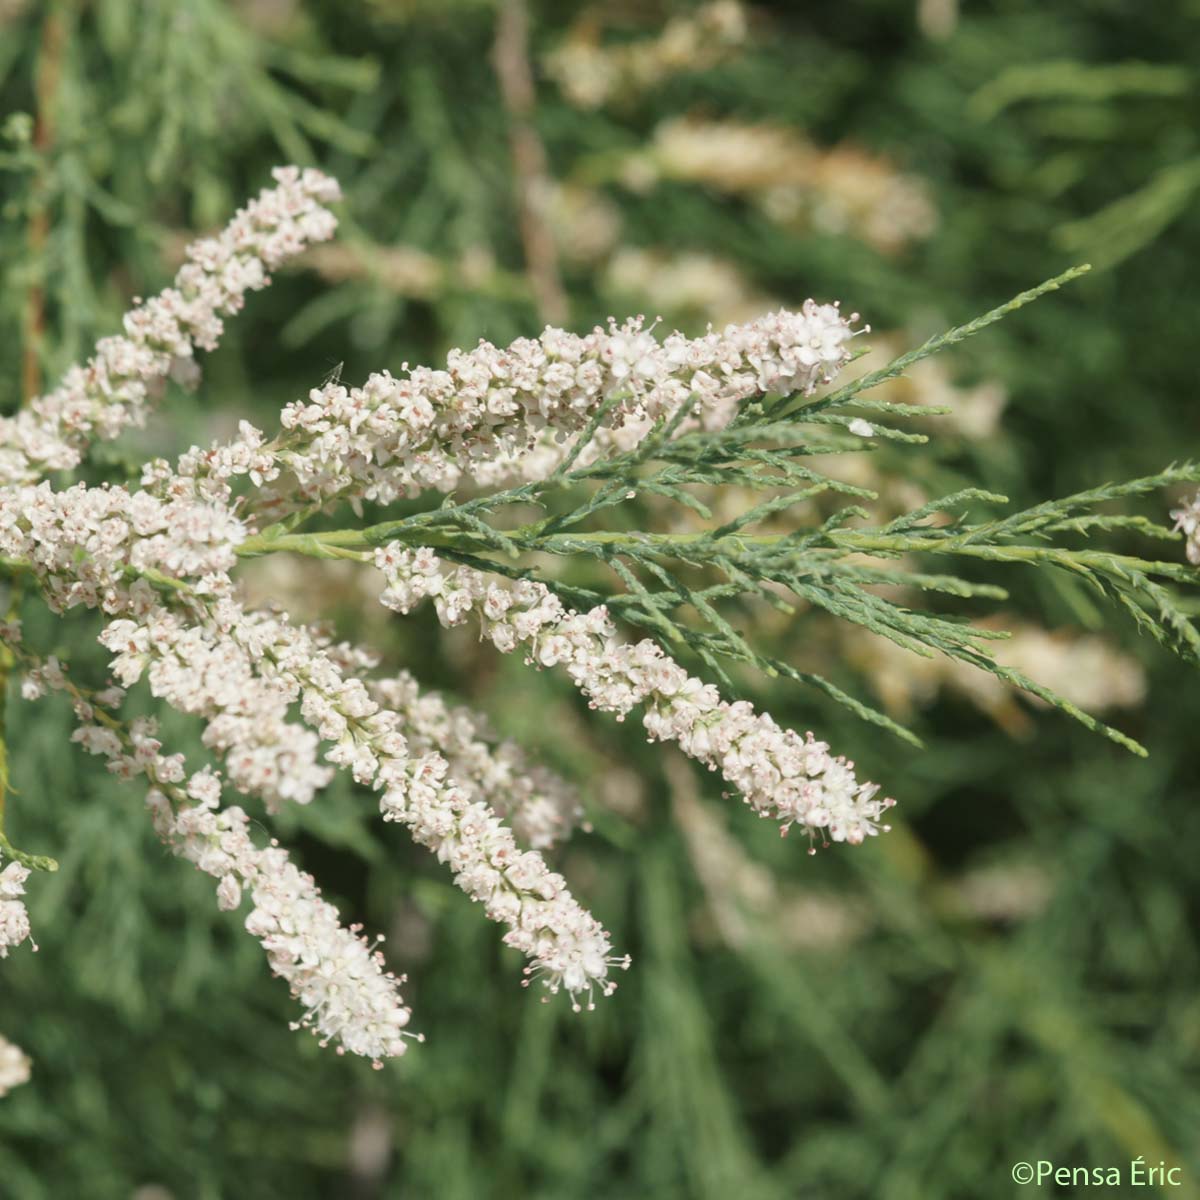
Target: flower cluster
[(842, 189), (197, 668), (484, 416), (852, 192), (242, 671), (540, 806), (336, 974), (14, 919), (690, 281), (568, 948), (792, 779), (14, 1066), (283, 705), (81, 541), (1085, 669), (1187, 522), (161, 335), (591, 74)]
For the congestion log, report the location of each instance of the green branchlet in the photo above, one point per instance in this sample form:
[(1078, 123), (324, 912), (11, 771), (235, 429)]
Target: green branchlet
[(822, 559)]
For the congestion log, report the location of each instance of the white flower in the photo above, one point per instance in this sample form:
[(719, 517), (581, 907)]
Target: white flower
[(780, 774), (503, 414), (127, 372), (1187, 521), (14, 919), (336, 974), (156, 561), (14, 1066)]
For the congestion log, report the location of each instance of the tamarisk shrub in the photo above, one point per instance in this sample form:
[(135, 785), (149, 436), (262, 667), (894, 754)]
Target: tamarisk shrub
[(569, 426)]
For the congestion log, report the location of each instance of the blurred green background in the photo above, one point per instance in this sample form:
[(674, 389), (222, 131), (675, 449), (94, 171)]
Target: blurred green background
[(1011, 974)]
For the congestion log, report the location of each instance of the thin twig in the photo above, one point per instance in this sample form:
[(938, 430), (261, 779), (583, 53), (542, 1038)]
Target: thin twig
[(49, 71), (510, 57)]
